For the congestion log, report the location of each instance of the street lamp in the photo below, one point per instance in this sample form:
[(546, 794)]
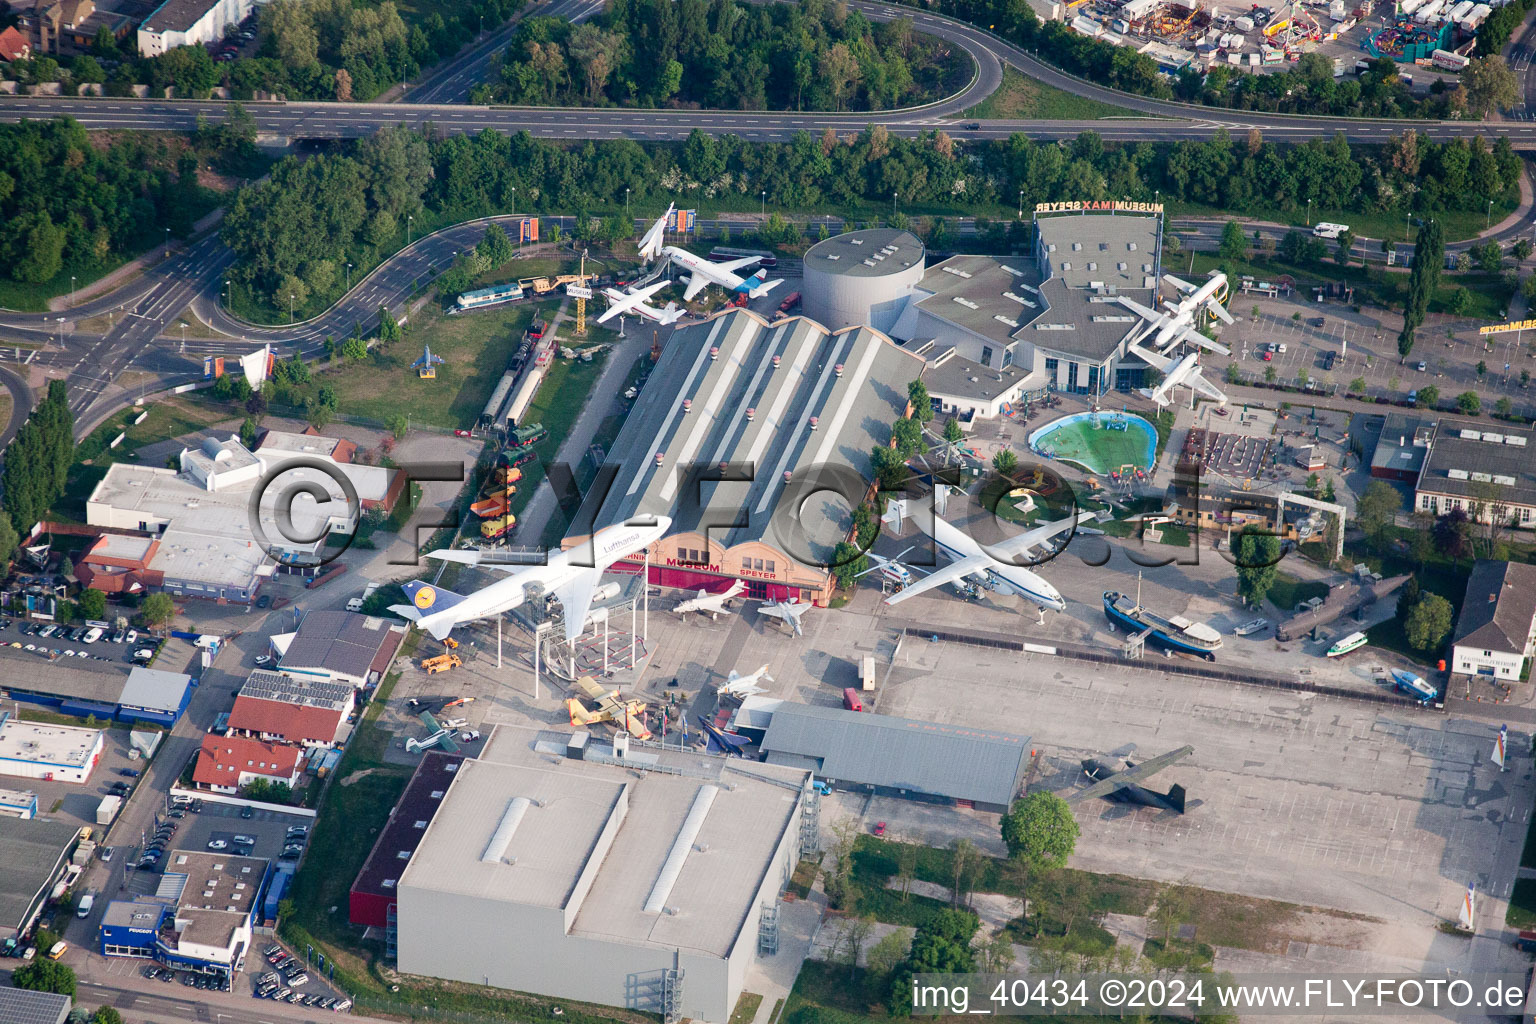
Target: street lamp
[(1309, 211), (893, 203), (167, 241), (290, 307), (626, 207), (71, 289), (762, 206), (1021, 204), (408, 222), (349, 277), (1490, 215)]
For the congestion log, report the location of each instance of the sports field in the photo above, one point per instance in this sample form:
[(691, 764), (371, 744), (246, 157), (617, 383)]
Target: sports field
[(1097, 448)]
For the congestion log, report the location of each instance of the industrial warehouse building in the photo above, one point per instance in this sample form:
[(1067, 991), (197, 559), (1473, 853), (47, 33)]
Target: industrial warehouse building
[(972, 767), (199, 918), (374, 896), (24, 1006), (645, 879), (53, 753), (189, 23), (861, 278), (339, 647), (36, 856), (1489, 471), (74, 686), (795, 407)]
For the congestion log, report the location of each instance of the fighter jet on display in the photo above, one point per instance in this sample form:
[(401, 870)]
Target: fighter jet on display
[(704, 273), (608, 707), (440, 734), (718, 741), (996, 566), (426, 364), (738, 685), (562, 576), (1180, 370), (1123, 787), (651, 242), (634, 302), (787, 611), (1178, 321), (709, 604)]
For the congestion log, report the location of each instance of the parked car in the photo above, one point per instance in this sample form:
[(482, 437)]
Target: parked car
[(132, 637), (217, 844), (143, 654), (246, 812)]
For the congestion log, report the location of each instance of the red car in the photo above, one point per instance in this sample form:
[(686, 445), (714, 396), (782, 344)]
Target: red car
[(1269, 357), (461, 433), (879, 828)]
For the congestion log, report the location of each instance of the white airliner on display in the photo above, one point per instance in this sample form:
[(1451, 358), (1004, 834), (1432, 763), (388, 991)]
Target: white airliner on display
[(1177, 321), (437, 610), (651, 242), (704, 273), (994, 565), (1180, 370), (634, 302)]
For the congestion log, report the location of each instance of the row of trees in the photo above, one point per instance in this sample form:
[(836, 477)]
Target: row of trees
[(296, 232), (37, 465), (68, 203), (813, 55)]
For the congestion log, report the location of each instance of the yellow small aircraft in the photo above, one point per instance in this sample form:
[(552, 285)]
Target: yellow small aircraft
[(627, 714)]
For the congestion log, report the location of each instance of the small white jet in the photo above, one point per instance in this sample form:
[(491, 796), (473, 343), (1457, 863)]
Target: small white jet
[(634, 302), (738, 685), (651, 242), (1180, 370), (704, 273), (709, 604), (996, 566), (1177, 320), (787, 611)]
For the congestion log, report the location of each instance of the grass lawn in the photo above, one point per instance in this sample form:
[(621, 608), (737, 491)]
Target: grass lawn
[(1375, 285), (746, 1008), (33, 298), (1522, 904), (1457, 224), (1098, 448), (1020, 96), (557, 405), (1288, 591)]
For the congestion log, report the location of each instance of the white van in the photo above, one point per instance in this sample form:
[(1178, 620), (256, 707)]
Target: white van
[(1327, 230), (86, 903)]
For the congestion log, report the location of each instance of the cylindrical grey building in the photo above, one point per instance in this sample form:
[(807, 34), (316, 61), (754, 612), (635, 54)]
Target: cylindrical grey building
[(861, 278)]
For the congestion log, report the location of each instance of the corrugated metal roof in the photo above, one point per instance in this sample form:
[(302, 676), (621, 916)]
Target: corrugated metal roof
[(340, 642), (155, 689), (953, 761)]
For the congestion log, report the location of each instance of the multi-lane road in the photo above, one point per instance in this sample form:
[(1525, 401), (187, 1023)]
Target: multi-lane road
[(433, 102)]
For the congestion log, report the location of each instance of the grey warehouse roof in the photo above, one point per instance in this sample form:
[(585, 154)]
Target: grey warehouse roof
[(1093, 249), (875, 252), (951, 375), (343, 642), (1499, 606), (986, 296), (1473, 460), (176, 15), (952, 761), (30, 850), (24, 1006), (742, 408), (154, 689), (77, 678)]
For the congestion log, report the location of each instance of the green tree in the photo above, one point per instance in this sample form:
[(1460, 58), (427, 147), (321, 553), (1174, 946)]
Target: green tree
[(1357, 386), (1040, 830), (1490, 85), (907, 432), (495, 249), (1234, 244), (1504, 407), (355, 349), (92, 603), (1428, 397), (248, 432), (848, 561), (106, 1015), (1257, 556), (1005, 461), (887, 954), (1468, 403), (398, 426), (922, 404), (1428, 253), (45, 975), (890, 468), (157, 610), (1429, 623), (954, 433), (1377, 508)]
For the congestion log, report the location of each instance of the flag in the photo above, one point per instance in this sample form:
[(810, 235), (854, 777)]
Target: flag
[(1498, 746), (684, 220), (528, 229), (1465, 920)]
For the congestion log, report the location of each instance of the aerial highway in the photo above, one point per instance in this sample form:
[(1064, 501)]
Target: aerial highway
[(433, 102)]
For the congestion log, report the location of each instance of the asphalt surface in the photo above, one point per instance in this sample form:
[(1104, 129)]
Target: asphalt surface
[(1158, 119)]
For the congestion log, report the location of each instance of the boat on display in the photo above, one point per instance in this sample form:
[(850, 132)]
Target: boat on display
[(1175, 632), (1353, 642), (1414, 685), (1249, 628)]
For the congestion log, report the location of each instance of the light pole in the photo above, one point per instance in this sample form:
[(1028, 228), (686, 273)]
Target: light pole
[(1489, 223), (167, 241), (1309, 212), (762, 206), (893, 203), (409, 220), (349, 277), (290, 307), (626, 208), (71, 289)]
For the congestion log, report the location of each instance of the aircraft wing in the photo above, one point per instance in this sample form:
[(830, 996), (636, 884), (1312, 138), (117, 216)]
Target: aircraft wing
[(590, 687), (650, 244), (731, 266), (1219, 311), (951, 573), (697, 283), (1181, 284), (788, 611), (1205, 387), (1131, 776), (1022, 544), (1153, 359), (1139, 309), (475, 557), (429, 721), (576, 598), (445, 741)]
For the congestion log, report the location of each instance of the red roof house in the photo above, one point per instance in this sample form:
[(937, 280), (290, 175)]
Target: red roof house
[(14, 45), (283, 709), (226, 763)]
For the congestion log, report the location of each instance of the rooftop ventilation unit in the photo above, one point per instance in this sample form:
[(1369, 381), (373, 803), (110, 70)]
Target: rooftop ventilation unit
[(657, 901), (1066, 267), (1456, 474), (1029, 288), (1471, 435), (833, 256), (1500, 478), (1077, 246), (1002, 319), (1120, 266), (1015, 273), (1514, 439), (856, 241), (1055, 327), (1483, 478), (957, 273), (1131, 246), (512, 817), (967, 303), (868, 263)]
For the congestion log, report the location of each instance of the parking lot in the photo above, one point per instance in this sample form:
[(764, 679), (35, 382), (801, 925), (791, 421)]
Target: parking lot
[(266, 831)]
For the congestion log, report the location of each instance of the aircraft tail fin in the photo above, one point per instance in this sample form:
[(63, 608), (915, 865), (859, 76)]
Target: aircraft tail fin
[(758, 284), (426, 601), (1176, 797)]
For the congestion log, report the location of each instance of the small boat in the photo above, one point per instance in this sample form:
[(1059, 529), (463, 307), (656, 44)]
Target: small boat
[(1249, 628), (1350, 643), (1414, 686), (1172, 632)]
